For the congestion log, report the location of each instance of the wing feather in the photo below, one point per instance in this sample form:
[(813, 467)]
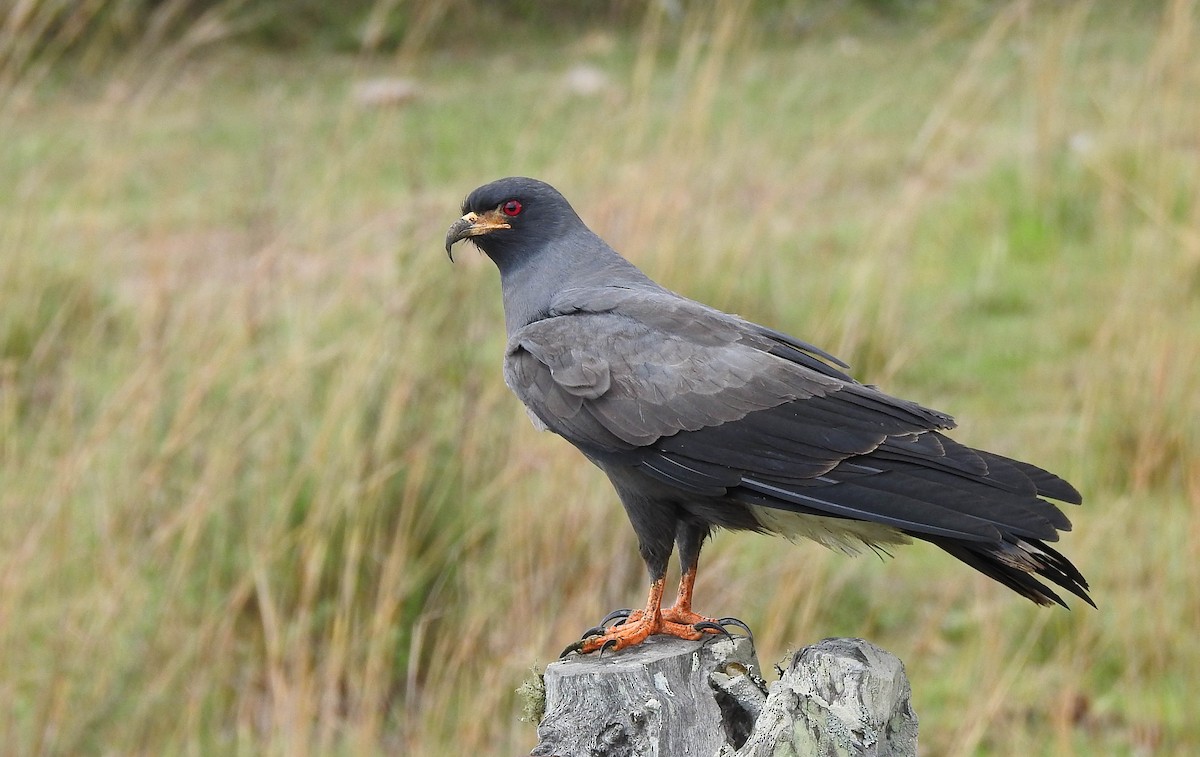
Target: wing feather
[(718, 407)]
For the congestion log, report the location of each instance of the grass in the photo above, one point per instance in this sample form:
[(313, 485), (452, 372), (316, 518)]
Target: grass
[(264, 492)]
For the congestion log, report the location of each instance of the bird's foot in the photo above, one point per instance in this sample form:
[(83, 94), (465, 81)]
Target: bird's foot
[(611, 620), (632, 627), (700, 622), (633, 630)]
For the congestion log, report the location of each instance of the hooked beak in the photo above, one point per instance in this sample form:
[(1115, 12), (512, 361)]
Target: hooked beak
[(473, 225)]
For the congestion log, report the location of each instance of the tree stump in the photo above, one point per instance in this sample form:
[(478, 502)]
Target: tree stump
[(837, 698), (670, 697)]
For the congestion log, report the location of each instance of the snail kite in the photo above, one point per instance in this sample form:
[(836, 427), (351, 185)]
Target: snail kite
[(702, 419)]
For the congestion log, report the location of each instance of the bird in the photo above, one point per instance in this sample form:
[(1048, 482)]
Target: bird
[(703, 420)]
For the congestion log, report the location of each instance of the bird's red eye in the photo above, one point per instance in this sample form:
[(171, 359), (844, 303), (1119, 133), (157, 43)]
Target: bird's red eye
[(511, 208)]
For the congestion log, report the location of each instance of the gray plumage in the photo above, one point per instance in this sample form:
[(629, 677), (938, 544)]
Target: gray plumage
[(702, 419)]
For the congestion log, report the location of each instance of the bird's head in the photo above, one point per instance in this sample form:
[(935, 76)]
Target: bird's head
[(510, 215)]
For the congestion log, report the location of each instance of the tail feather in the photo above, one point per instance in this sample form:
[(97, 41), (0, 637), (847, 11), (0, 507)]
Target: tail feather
[(1014, 564)]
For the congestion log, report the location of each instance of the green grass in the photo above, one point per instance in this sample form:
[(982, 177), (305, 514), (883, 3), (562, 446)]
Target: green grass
[(262, 490)]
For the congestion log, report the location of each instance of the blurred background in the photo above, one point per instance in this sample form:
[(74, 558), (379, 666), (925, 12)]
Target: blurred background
[(263, 491)]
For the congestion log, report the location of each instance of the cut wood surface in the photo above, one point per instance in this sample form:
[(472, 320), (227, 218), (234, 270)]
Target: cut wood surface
[(668, 697)]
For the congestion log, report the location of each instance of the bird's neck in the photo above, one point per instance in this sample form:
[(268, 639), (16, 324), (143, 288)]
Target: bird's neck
[(533, 281)]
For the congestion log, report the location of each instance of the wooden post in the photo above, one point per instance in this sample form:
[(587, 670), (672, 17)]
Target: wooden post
[(669, 697)]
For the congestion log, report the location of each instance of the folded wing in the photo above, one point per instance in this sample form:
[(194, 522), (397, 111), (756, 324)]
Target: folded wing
[(718, 407)]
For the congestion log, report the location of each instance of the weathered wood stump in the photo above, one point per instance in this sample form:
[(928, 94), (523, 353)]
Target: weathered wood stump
[(841, 697), (668, 697)]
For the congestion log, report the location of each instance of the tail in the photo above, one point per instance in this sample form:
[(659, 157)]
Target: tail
[(1015, 561)]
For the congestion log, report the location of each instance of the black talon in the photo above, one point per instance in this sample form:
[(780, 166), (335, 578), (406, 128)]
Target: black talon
[(593, 631), (740, 624), (606, 645), (576, 647), (707, 625), (623, 615)]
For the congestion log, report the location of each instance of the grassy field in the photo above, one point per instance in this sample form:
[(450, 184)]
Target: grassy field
[(262, 489)]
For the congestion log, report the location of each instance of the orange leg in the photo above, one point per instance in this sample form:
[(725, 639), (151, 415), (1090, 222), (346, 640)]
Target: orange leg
[(681, 611), (640, 625), (677, 620)]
